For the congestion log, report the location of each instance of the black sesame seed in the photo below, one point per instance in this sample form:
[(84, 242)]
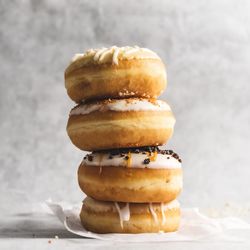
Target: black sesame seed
[(175, 155), (126, 157), (84, 158), (179, 160), (168, 157), (122, 152), (90, 158), (146, 161)]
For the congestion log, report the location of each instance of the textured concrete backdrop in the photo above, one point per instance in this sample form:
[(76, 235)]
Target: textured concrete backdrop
[(206, 47)]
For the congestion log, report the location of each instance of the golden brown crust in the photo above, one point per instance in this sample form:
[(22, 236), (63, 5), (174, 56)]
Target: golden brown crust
[(110, 183), (131, 78), (112, 129), (141, 219)]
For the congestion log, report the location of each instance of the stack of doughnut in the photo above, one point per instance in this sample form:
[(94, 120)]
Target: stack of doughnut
[(131, 184)]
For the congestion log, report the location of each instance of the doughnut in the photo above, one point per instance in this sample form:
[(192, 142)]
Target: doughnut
[(114, 217), (115, 73), (131, 175), (120, 123)]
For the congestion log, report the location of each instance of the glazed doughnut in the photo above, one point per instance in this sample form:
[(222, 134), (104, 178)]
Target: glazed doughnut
[(113, 217), (120, 123), (115, 73), (131, 175)]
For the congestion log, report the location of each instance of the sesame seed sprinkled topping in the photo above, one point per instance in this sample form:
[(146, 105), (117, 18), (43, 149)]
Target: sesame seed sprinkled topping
[(146, 161), (150, 153), (90, 157)]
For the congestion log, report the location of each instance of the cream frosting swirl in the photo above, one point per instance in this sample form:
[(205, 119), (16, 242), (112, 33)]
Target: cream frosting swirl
[(114, 54), (131, 104)]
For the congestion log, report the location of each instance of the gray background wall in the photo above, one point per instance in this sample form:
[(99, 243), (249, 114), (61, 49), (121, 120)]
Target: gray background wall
[(206, 47)]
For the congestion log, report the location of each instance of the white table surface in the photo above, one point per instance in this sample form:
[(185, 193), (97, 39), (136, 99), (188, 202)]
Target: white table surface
[(42, 231)]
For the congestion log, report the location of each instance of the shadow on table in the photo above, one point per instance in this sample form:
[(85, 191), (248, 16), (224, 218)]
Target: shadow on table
[(30, 225)]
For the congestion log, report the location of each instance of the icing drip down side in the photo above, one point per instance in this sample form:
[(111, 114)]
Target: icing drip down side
[(124, 210), (153, 213), (124, 213)]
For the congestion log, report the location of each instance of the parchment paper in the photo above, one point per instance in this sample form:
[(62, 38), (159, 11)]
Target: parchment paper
[(194, 227)]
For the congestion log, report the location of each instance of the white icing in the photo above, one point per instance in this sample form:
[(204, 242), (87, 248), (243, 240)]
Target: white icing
[(104, 206), (76, 57), (136, 161), (163, 216), (153, 213), (99, 53), (124, 213), (100, 170), (114, 54), (121, 105)]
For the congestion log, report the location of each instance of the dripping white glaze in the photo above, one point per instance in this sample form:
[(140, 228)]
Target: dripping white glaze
[(100, 165), (124, 213), (163, 221), (104, 206), (153, 213), (100, 170), (114, 54)]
